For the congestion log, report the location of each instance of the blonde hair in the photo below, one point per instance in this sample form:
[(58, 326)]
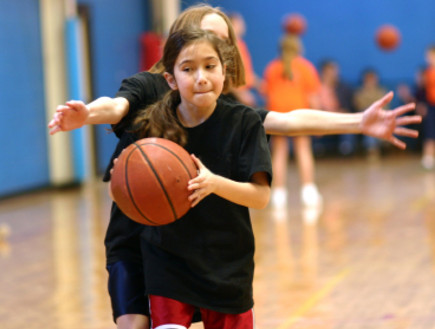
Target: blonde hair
[(192, 18), (290, 47)]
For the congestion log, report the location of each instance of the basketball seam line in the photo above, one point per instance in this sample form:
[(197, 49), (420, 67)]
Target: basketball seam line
[(129, 191), (158, 178), (174, 154)]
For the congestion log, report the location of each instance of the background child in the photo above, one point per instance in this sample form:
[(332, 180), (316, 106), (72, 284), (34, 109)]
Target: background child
[(291, 82)]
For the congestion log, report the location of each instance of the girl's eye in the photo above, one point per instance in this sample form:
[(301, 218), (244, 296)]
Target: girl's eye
[(186, 69), (211, 66)]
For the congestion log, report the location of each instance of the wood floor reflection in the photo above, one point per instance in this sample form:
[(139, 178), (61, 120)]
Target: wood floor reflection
[(365, 260)]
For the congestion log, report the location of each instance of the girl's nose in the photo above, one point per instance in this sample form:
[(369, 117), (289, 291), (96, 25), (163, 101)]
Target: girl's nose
[(201, 76)]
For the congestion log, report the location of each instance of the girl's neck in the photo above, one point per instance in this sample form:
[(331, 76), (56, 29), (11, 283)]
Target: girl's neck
[(191, 116)]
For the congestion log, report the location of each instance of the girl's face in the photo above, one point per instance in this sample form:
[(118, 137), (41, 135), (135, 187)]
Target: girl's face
[(198, 75), (216, 24)]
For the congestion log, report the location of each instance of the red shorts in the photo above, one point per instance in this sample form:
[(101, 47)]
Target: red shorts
[(169, 313)]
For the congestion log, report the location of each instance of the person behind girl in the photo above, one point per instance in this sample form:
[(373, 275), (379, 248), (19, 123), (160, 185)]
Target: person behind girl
[(123, 255), (292, 82), (244, 94), (206, 258)]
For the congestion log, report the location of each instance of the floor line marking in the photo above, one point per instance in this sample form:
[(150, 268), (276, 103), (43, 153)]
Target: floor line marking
[(314, 299)]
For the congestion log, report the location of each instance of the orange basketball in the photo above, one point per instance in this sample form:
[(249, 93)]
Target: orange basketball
[(387, 37), (294, 23), (149, 181)]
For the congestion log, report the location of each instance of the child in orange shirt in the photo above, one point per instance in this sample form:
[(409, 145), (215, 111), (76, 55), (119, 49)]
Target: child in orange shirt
[(292, 82)]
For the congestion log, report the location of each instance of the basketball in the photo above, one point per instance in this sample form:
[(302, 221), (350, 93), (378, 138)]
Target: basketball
[(294, 24), (149, 181), (388, 37)]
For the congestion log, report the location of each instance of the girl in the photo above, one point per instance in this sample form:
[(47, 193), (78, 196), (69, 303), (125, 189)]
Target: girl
[(205, 259), (292, 82), (124, 260)]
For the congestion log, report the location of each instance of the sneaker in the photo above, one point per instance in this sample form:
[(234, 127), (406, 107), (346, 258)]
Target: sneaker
[(279, 197), (310, 196), (428, 162), (310, 215)]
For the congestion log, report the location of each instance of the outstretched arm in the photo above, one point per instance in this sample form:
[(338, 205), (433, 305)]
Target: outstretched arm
[(75, 114), (254, 194), (374, 121)]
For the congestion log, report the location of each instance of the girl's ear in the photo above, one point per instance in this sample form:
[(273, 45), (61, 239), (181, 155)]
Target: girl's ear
[(224, 70), (170, 79)]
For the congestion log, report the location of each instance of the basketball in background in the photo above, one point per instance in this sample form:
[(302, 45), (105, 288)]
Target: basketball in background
[(387, 37), (294, 23), (149, 181)]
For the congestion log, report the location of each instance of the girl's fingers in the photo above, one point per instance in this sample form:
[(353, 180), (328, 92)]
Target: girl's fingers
[(408, 120), (398, 143), (385, 100), (55, 130), (401, 131), (193, 186), (404, 109), (197, 162)]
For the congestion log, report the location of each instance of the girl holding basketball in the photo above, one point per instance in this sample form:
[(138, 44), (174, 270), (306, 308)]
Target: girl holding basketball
[(124, 260), (205, 259)]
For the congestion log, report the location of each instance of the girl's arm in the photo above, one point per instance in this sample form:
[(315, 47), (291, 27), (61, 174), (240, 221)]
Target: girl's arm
[(374, 121), (76, 114), (254, 194)]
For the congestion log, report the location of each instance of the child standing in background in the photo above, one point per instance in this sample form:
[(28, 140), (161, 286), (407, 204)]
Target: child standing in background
[(292, 82)]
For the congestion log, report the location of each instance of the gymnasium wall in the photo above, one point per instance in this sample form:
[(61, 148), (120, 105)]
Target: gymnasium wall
[(340, 29), (343, 30), (114, 30), (23, 145)]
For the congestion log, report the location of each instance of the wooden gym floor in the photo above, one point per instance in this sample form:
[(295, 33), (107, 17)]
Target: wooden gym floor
[(367, 260)]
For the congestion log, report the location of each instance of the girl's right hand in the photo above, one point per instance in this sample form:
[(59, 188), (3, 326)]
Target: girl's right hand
[(202, 185), (68, 117)]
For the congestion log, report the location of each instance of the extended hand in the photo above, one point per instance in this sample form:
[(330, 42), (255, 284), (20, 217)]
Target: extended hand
[(384, 124), (202, 185), (68, 117)]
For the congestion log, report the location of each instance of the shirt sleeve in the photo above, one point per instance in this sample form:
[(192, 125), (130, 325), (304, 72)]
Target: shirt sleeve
[(262, 112), (254, 151), (140, 90)]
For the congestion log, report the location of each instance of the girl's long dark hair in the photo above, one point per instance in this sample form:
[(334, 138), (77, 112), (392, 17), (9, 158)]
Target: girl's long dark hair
[(160, 119)]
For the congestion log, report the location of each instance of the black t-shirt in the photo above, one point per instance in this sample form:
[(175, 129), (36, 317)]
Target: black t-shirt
[(122, 239), (206, 258), (141, 90)]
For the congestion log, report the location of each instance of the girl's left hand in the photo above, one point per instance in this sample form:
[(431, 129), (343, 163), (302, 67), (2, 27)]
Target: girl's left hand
[(384, 124), (202, 185)]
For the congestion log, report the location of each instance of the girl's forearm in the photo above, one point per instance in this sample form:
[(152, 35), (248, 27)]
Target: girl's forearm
[(312, 122), (106, 110), (250, 194)]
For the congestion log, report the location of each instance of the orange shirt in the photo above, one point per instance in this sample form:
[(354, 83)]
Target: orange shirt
[(430, 85), (282, 94)]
